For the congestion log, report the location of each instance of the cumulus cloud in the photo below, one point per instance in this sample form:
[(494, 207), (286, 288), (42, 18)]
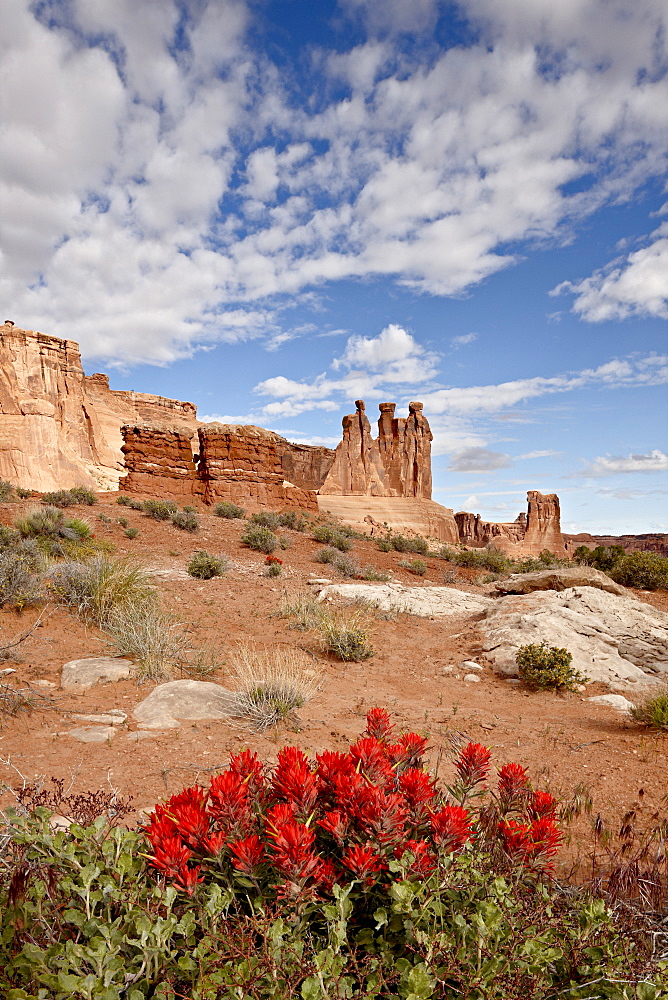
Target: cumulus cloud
[(636, 285), (165, 184), (478, 460), (654, 461)]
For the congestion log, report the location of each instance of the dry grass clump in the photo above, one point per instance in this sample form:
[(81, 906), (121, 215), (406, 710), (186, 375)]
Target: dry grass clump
[(97, 588), (149, 636), (652, 710), (305, 610), (273, 683), (20, 587), (346, 636)]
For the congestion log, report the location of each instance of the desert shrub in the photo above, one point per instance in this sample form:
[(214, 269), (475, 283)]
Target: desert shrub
[(266, 519), (259, 538), (652, 709), (20, 586), (325, 555), (149, 636), (351, 875), (186, 520), (70, 498), (101, 586), (305, 610), (644, 570), (346, 566), (205, 566), (273, 570), (543, 666), (272, 684), (136, 504), (603, 557), (373, 574), (104, 518), (416, 566), (123, 500), (159, 510), (346, 637), (123, 521), (22, 493), (384, 545), (55, 534), (293, 520), (490, 559), (131, 532), (228, 510), (6, 491), (333, 536), (402, 543)]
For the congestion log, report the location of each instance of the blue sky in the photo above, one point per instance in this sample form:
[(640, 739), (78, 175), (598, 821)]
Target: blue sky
[(274, 207)]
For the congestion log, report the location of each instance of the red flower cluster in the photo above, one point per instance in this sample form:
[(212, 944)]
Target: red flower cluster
[(273, 561), (306, 825)]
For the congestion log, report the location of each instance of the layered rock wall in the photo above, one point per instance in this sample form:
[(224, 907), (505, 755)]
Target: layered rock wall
[(529, 535), (160, 464), (395, 464)]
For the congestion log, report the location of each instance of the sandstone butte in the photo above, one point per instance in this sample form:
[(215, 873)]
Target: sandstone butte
[(60, 427)]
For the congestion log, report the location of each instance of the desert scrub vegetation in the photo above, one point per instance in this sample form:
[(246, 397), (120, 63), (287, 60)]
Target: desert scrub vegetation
[(228, 510), (643, 570), (186, 520), (417, 567), (77, 495), (272, 683), (205, 566), (149, 636), (259, 538), (159, 510), (542, 666), (57, 535), (333, 536), (652, 709), (346, 635), (394, 541), (95, 588), (20, 563), (303, 608), (344, 565), (354, 874), (10, 493), (293, 520), (490, 559)]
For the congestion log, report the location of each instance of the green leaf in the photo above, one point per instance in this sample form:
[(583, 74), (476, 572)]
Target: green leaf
[(311, 989)]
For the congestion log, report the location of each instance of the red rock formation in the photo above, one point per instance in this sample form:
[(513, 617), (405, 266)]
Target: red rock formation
[(529, 535), (59, 427), (160, 464), (397, 463)]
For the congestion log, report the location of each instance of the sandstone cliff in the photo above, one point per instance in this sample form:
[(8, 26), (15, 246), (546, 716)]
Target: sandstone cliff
[(528, 535), (159, 463), (59, 427)]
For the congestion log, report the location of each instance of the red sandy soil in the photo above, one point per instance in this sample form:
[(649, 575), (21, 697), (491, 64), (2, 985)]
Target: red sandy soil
[(562, 739)]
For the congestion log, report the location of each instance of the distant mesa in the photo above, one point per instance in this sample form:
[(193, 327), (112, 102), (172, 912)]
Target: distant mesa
[(60, 427)]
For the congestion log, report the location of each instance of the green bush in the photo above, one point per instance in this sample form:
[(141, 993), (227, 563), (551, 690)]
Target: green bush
[(186, 520), (273, 570), (20, 586), (652, 710), (123, 500), (259, 538), (346, 566), (205, 566), (543, 666), (643, 570), (228, 510), (416, 566), (159, 510), (266, 519), (602, 557), (55, 534), (346, 638), (101, 586), (334, 536), (131, 532), (373, 574), (490, 559), (22, 493), (6, 491), (70, 498), (293, 520)]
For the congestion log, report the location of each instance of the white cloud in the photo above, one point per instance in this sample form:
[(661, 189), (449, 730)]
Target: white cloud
[(538, 454), (478, 460), (465, 338), (611, 465), (635, 286), (161, 178)]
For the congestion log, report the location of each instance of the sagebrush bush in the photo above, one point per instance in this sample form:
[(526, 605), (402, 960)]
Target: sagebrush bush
[(293, 520), (543, 666), (20, 586), (325, 555), (346, 566), (373, 574), (186, 520), (652, 709), (123, 500), (305, 610), (131, 532), (259, 538), (149, 636), (55, 534), (6, 491), (70, 498), (266, 519), (416, 566), (333, 536), (346, 636), (228, 510), (159, 510), (273, 570), (490, 559), (205, 566), (272, 684)]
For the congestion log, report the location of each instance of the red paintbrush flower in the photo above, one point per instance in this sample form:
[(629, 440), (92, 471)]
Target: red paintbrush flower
[(188, 810), (336, 823), (363, 862), (472, 765), (248, 766), (294, 781), (293, 854), (247, 853), (451, 828), (228, 802), (371, 759), (417, 787), (542, 804), (530, 844), (408, 752), (513, 781), (188, 878), (381, 815), (378, 724), (424, 859), (214, 843), (171, 857)]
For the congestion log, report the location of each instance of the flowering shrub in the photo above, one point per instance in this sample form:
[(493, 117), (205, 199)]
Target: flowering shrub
[(302, 828), (273, 561)]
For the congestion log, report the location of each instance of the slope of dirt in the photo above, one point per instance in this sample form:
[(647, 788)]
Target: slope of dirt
[(563, 739)]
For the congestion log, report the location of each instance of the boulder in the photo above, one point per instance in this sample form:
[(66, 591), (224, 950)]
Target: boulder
[(528, 535), (560, 578), (615, 639), (427, 602), (616, 701), (185, 699), (80, 675)]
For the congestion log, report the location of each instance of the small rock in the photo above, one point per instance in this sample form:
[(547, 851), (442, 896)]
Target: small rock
[(7, 671), (513, 680), (472, 677), (43, 683), (471, 665), (616, 701), (92, 734), (448, 670), (80, 675), (115, 718), (318, 583)]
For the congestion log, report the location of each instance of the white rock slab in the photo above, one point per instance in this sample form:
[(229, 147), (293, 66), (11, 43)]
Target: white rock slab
[(616, 701), (614, 639), (185, 699), (471, 665), (472, 678), (115, 718), (92, 734), (80, 675), (426, 602)]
